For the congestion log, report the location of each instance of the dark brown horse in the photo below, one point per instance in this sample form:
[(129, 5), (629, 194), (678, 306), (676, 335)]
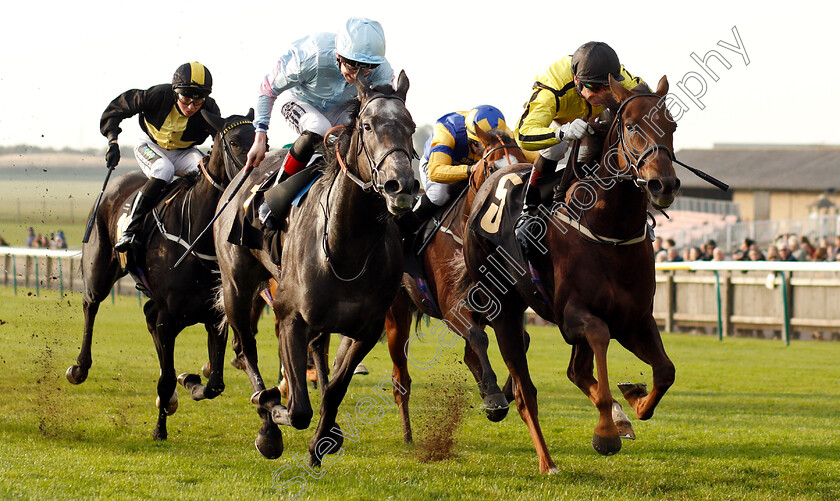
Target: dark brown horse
[(182, 296), (594, 256), (437, 259), (340, 267)]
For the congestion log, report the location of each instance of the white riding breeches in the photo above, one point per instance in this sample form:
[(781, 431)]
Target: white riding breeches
[(160, 163)]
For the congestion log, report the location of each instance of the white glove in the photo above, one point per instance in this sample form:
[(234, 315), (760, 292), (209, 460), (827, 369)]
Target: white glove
[(576, 129)]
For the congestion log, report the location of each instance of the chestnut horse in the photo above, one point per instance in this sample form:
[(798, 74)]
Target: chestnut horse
[(182, 296), (437, 259), (340, 267), (594, 256)]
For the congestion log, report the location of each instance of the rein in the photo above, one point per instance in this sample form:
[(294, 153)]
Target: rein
[(503, 146), (636, 163), (373, 165), (372, 185)]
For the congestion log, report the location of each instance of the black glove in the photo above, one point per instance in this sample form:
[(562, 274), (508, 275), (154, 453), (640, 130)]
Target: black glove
[(112, 158)]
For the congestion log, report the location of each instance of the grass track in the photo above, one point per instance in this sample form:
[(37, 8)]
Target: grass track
[(746, 419)]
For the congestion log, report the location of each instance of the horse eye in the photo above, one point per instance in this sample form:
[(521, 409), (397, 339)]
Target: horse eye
[(234, 144), (367, 127)]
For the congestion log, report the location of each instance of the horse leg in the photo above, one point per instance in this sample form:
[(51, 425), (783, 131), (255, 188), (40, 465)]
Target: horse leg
[(398, 327), (293, 350), (511, 340), (581, 373), (163, 333), (475, 356), (579, 321), (329, 438), (100, 273), (318, 348), (649, 348), (508, 388), (216, 342)]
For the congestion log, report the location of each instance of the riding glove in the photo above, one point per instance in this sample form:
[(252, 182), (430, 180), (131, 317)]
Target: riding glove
[(576, 129), (112, 158)]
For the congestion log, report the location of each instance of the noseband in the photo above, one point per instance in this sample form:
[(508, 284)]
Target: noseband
[(636, 161), (374, 183)]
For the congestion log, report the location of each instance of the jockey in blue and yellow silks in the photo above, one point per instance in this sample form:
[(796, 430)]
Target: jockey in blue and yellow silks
[(571, 92), (449, 154)]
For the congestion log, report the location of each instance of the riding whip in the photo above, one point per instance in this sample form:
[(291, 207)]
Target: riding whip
[(96, 206), (705, 177), (219, 213)]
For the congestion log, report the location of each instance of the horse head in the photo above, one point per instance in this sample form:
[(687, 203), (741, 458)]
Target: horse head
[(235, 135), (383, 143), (499, 150), (643, 135)]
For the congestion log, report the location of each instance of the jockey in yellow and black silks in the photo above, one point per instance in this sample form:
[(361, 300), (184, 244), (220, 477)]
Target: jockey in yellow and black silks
[(572, 91), (172, 129)]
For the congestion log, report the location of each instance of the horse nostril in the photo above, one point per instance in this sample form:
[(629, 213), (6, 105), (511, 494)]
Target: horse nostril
[(677, 185), (654, 186), (415, 188), (392, 187)]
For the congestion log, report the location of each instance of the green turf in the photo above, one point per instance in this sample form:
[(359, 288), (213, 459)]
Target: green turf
[(746, 419)]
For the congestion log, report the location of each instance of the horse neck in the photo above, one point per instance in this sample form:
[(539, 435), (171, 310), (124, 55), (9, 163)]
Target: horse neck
[(356, 218), (620, 207)]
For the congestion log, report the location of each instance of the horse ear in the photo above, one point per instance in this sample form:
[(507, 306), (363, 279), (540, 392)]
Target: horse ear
[(618, 90), (362, 86), (215, 121), (402, 84), (662, 87), (250, 115), (483, 135)]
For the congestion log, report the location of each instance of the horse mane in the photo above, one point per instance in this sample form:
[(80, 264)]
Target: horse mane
[(343, 135)]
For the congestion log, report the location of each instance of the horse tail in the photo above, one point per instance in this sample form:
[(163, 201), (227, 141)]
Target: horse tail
[(219, 305), (458, 278)]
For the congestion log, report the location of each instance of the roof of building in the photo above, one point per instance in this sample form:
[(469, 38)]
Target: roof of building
[(764, 167)]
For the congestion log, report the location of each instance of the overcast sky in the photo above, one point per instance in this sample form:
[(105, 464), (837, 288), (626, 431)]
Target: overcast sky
[(62, 62)]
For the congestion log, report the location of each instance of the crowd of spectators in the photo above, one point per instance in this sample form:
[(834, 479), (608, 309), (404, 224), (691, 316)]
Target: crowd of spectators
[(55, 240), (788, 247)]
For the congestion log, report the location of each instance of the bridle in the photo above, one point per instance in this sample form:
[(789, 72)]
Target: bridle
[(232, 164), (374, 166), (488, 167), (635, 161)]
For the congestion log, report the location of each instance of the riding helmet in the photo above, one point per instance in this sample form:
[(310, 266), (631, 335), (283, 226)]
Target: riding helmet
[(361, 39), (192, 80), (593, 62), (487, 117)]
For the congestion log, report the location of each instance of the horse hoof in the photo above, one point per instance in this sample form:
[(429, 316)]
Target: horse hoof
[(206, 369), (606, 446), (632, 390), (237, 363), (188, 379), (622, 422), (172, 406), (496, 406), (270, 448), (76, 375)]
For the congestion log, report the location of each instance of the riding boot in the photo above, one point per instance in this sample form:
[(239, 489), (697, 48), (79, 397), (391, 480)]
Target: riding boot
[(291, 166), (144, 202), (414, 220), (530, 209)]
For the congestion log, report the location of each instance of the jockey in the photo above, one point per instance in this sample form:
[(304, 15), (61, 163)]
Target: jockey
[(315, 81), (450, 153), (570, 92), (172, 129)]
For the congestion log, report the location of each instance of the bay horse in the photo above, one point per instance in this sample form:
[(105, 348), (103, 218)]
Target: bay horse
[(339, 270), (593, 255), (500, 151), (179, 297)]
